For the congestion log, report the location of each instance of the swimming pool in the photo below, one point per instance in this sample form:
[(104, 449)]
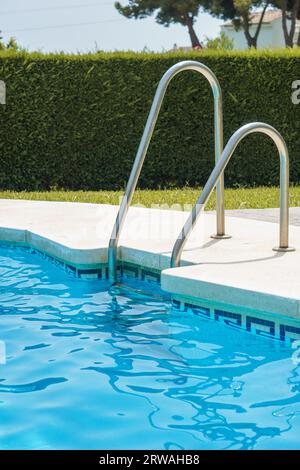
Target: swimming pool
[(88, 367)]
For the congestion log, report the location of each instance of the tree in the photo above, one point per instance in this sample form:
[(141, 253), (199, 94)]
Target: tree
[(221, 42), (241, 14), (10, 45), (290, 12), (245, 9), (166, 12)]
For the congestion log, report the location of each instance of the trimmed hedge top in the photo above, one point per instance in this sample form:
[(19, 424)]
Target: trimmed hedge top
[(75, 122)]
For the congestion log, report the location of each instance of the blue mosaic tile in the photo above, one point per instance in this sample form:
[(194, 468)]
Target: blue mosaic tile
[(90, 273), (269, 325), (198, 310), (150, 276), (71, 270), (289, 333), (176, 304), (129, 271), (229, 318), (268, 328)]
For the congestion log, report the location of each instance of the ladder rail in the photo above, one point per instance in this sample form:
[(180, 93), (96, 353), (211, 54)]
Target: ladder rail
[(219, 171), (144, 144)]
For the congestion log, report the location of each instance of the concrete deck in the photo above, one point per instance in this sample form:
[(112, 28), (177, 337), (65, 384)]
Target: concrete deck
[(242, 270), (266, 215)]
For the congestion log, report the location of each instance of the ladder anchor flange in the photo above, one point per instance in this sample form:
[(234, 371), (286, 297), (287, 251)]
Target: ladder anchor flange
[(220, 237), (283, 249)]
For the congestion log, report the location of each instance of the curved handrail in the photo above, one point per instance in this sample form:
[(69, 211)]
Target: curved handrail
[(144, 144), (219, 170)]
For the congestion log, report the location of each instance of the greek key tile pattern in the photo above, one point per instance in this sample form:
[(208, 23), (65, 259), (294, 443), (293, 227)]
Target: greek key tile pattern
[(281, 328)]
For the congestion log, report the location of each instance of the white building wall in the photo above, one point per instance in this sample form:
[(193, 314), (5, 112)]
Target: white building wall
[(238, 37), (270, 36), (277, 31), (265, 38)]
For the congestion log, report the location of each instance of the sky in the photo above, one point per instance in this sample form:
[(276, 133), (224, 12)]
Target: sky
[(86, 25)]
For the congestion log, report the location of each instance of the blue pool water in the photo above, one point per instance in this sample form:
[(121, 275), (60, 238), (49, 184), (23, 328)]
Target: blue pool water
[(88, 368)]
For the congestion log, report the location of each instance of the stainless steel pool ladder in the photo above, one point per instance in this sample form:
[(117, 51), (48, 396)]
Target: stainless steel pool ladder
[(219, 171), (144, 144)]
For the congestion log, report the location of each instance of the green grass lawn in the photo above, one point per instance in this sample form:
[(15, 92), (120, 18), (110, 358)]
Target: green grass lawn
[(241, 198)]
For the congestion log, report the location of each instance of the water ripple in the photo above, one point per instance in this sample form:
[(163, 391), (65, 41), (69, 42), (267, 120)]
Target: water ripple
[(98, 368)]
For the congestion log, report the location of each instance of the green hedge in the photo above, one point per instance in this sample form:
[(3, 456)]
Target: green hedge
[(75, 122)]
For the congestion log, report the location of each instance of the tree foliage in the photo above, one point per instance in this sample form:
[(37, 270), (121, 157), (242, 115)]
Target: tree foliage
[(166, 12), (241, 12), (290, 13), (11, 45), (221, 42)]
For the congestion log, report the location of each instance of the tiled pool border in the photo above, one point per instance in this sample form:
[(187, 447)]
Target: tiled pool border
[(100, 271), (280, 328)]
